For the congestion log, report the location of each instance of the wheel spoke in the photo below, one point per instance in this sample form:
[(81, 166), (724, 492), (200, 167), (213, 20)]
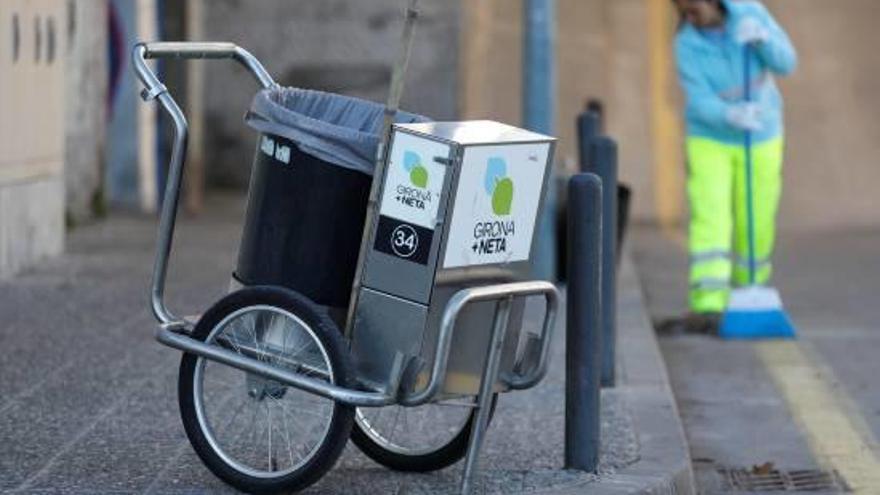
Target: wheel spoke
[(286, 424), (409, 432), (394, 423), (269, 421), (282, 419)]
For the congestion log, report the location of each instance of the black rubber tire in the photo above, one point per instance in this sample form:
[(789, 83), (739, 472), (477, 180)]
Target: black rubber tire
[(443, 457), (343, 416)]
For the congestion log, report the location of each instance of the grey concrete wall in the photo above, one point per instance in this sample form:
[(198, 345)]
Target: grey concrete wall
[(85, 109), (344, 46)]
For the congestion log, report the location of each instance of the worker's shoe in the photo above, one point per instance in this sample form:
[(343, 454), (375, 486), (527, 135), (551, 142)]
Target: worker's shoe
[(690, 324)]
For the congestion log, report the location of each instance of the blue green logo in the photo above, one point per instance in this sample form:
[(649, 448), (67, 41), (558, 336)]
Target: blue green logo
[(499, 186), (418, 174)]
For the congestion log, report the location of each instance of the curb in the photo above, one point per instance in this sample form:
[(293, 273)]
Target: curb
[(664, 465)]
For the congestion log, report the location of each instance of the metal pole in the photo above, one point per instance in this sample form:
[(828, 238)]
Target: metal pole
[(487, 384), (539, 112), (603, 162), (194, 179), (583, 329)]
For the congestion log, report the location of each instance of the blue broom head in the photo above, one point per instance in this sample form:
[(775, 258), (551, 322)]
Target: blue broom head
[(755, 313)]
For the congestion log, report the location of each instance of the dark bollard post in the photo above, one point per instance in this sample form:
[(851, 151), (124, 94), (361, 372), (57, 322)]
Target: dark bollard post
[(583, 330), (624, 198), (603, 162), (596, 106), (589, 126)]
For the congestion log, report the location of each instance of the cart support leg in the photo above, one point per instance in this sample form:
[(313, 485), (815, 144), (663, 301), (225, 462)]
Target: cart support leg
[(487, 382)]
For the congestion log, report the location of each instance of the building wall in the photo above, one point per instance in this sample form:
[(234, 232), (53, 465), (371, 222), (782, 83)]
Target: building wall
[(601, 54), (467, 63), (85, 109), (344, 46), (490, 63), (630, 106), (620, 50), (31, 133), (832, 106), (830, 172)]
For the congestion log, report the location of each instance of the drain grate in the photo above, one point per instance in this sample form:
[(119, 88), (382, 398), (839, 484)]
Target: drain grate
[(767, 478)]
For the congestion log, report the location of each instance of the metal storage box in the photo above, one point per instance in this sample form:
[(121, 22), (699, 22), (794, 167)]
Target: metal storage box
[(458, 207)]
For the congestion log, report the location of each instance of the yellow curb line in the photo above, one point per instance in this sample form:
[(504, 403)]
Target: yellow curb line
[(836, 432)]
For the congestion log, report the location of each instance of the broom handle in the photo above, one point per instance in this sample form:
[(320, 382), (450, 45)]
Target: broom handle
[(750, 210), (399, 73)]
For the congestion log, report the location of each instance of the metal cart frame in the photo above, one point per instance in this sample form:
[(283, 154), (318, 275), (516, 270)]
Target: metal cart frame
[(175, 332)]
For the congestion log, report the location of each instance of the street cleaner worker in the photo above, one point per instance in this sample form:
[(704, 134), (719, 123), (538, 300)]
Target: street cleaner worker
[(709, 50)]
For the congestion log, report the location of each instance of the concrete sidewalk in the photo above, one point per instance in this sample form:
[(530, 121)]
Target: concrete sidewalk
[(88, 400)]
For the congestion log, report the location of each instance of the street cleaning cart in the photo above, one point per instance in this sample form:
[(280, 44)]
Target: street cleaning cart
[(390, 309)]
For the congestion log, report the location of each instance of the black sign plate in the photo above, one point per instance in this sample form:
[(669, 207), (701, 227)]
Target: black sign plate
[(403, 240)]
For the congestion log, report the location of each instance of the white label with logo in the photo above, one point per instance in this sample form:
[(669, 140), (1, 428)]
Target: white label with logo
[(414, 180), (496, 205)]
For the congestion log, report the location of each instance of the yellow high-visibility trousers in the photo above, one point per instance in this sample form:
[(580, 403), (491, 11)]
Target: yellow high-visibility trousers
[(717, 193)]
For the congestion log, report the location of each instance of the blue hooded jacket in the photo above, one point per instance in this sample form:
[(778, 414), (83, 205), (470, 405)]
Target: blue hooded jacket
[(710, 67)]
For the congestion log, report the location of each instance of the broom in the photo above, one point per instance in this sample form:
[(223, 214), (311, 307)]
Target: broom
[(754, 311)]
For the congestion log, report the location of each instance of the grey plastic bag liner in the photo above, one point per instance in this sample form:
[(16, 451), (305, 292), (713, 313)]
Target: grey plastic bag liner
[(341, 130)]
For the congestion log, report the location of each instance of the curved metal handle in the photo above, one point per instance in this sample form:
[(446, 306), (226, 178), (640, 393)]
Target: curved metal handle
[(192, 50), (209, 50), (499, 292), (189, 49), (154, 89)]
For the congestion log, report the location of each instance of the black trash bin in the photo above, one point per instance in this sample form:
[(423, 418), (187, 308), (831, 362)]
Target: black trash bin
[(308, 191)]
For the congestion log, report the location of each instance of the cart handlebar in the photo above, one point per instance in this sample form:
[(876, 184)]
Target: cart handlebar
[(154, 89), (210, 50), (190, 49)]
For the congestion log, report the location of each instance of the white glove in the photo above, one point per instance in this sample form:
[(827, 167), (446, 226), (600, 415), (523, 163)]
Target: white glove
[(745, 117), (751, 30)]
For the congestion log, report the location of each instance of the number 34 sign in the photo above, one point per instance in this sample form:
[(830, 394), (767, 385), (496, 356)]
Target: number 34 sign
[(403, 239)]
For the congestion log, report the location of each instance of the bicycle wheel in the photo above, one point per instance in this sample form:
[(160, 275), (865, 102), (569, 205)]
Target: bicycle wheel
[(257, 434), (417, 439)]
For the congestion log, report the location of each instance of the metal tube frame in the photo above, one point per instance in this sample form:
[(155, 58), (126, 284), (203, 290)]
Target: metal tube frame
[(503, 293), (453, 309), (484, 399), (154, 89)]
